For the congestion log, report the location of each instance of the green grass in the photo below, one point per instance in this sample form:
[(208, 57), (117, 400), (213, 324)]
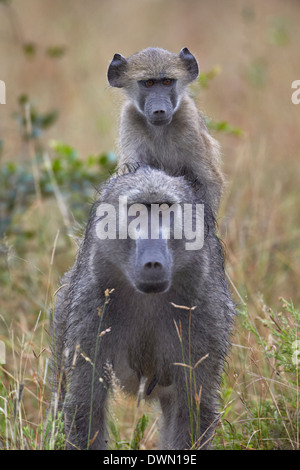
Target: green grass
[(261, 395)]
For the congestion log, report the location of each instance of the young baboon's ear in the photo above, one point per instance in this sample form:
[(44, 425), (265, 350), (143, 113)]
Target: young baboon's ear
[(116, 69), (190, 62)]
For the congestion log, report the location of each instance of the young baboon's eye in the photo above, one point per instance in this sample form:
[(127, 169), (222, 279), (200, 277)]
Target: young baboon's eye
[(149, 83), (167, 81)]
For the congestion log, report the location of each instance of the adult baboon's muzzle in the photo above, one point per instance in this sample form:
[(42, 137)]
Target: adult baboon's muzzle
[(153, 266)]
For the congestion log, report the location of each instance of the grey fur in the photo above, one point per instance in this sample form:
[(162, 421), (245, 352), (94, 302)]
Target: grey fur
[(142, 344), (162, 126)]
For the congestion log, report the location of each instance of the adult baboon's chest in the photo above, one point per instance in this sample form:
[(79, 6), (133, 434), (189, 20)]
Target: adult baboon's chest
[(148, 355)]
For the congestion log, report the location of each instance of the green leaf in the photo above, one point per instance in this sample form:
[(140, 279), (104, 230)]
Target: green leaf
[(223, 126), (206, 77), (278, 33), (139, 432), (55, 52), (29, 49)]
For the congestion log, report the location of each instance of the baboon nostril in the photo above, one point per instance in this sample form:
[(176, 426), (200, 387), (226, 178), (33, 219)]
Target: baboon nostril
[(153, 265), (159, 111)]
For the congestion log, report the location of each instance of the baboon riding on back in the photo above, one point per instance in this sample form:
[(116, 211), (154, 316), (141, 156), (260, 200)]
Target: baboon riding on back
[(144, 301), (160, 124)]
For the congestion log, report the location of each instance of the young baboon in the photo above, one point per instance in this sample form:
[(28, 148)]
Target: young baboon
[(160, 124), (140, 332)]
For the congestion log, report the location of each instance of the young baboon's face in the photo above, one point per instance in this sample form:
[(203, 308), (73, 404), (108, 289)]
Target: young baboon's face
[(154, 80), (157, 99)]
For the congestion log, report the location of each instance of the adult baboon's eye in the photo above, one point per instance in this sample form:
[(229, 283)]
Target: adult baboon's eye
[(149, 83), (167, 81)]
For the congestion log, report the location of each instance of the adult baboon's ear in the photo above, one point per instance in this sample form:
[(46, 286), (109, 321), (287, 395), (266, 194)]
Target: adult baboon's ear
[(116, 70), (190, 63)]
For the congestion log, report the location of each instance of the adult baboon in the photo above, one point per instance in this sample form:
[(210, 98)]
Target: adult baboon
[(140, 332), (160, 124)]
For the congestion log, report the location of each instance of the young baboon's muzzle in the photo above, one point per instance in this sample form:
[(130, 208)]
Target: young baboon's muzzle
[(159, 113)]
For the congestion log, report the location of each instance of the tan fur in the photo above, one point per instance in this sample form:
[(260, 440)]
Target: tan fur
[(153, 61), (184, 147)]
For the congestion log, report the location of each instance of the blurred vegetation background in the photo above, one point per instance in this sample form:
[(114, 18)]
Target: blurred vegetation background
[(58, 132)]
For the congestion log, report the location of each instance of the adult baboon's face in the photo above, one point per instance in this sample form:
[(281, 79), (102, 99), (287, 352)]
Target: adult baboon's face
[(150, 270), (136, 249), (144, 243), (142, 231)]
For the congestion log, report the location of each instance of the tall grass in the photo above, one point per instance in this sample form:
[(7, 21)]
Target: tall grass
[(261, 392), (46, 189), (260, 397)]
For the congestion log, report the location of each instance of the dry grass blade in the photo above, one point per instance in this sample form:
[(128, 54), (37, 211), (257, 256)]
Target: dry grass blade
[(183, 307), (91, 441)]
